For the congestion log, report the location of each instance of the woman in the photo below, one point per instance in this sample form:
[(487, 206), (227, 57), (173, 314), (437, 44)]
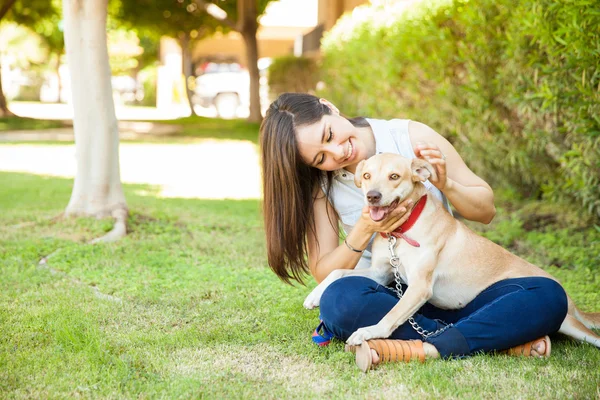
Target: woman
[(309, 155)]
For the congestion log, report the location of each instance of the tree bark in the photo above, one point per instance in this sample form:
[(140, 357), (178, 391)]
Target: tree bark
[(6, 6), (4, 111), (186, 64), (248, 27), (57, 69), (97, 190)]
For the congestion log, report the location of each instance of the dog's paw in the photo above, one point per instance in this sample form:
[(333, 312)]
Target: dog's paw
[(313, 300), (368, 333), (360, 336)]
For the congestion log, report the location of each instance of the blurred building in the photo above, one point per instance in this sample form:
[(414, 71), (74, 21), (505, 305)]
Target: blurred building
[(287, 27), (328, 12)]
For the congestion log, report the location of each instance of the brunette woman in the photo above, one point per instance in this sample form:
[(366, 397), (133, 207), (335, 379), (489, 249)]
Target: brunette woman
[(309, 154)]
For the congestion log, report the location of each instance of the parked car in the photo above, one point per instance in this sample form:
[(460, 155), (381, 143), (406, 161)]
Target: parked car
[(224, 86)]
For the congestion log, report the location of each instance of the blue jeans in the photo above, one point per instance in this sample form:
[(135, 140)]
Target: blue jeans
[(506, 314)]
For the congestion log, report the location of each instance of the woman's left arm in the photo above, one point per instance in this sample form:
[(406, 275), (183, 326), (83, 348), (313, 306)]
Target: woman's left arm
[(472, 197)]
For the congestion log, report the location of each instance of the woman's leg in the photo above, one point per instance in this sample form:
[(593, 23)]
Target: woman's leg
[(508, 313), (354, 302)]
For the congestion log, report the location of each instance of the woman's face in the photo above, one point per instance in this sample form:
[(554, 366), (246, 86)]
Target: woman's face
[(334, 143)]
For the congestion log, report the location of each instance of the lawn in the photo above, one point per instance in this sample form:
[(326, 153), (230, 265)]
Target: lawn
[(185, 307), (203, 128), (188, 130), (19, 123)]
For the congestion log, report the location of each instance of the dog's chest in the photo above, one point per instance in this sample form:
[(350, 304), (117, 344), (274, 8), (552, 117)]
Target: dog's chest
[(447, 292), (382, 256)]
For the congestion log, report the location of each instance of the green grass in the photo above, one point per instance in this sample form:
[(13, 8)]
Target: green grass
[(194, 312), (192, 129), (20, 123), (213, 128)]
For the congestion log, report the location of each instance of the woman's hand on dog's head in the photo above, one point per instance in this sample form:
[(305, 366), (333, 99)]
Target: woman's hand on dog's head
[(431, 153)]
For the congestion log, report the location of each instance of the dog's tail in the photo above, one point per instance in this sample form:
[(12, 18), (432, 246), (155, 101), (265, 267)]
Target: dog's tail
[(590, 320)]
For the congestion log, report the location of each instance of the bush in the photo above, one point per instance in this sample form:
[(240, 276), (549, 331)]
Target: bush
[(513, 84), (30, 91), (292, 74), (148, 77)]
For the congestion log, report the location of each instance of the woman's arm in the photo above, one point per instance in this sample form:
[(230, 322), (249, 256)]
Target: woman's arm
[(325, 254), (472, 197)]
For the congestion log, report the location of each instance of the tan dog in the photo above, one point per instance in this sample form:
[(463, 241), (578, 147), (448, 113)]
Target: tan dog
[(452, 264)]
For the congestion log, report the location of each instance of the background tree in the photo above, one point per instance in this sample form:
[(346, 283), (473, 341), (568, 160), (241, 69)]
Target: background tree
[(97, 190), (41, 16), (4, 111), (242, 16), (179, 19), (45, 19)]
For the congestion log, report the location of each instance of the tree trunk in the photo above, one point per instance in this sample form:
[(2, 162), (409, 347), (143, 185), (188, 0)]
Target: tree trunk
[(4, 111), (58, 77), (248, 26), (186, 64), (97, 190)]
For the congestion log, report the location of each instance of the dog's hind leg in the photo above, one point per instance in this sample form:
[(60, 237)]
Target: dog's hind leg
[(590, 320), (572, 327)]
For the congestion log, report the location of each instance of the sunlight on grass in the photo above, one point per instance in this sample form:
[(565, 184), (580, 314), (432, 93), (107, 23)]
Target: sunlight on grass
[(207, 169)]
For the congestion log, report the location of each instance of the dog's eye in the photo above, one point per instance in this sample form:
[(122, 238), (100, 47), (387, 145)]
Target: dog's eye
[(394, 177), (366, 175)]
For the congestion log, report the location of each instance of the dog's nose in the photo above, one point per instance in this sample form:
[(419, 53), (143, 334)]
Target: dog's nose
[(373, 196)]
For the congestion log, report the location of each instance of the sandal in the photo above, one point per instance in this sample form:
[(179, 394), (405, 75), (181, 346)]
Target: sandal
[(524, 350), (388, 350)]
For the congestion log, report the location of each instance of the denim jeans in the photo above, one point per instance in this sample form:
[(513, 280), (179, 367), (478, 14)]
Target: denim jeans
[(506, 314)]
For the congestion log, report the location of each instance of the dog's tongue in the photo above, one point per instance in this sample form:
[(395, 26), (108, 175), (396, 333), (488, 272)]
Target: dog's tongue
[(377, 213)]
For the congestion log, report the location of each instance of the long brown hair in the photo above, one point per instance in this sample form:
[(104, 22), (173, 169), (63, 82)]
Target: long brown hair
[(289, 184)]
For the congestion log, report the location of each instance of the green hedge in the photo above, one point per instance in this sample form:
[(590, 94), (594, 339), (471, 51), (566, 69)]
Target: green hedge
[(513, 84), (293, 74)]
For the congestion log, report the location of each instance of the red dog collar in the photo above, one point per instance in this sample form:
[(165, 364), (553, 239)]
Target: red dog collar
[(414, 216)]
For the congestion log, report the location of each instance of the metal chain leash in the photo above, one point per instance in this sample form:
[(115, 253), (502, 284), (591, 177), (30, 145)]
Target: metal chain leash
[(395, 262)]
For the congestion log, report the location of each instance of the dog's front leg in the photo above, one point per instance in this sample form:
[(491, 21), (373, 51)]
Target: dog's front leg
[(417, 294), (314, 298)]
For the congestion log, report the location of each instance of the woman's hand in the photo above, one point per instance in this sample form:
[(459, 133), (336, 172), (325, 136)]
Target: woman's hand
[(391, 222), (431, 153)]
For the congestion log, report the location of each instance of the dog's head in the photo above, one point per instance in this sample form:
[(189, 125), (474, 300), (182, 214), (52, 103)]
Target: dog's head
[(387, 179)]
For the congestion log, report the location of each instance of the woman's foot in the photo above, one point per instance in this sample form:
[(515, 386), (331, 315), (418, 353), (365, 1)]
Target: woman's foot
[(536, 348), (372, 352), (430, 352), (539, 347)]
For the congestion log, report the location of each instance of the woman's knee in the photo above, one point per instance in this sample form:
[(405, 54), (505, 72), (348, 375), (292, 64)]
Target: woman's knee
[(558, 303), (553, 300), (346, 291), (344, 299)]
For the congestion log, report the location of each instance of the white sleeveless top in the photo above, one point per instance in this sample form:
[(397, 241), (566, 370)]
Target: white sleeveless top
[(348, 200)]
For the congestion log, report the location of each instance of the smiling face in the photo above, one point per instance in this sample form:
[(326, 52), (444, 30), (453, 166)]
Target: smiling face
[(333, 143), (388, 179)]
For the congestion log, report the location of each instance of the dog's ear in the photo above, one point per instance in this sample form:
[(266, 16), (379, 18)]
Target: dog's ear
[(422, 170), (358, 174)]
